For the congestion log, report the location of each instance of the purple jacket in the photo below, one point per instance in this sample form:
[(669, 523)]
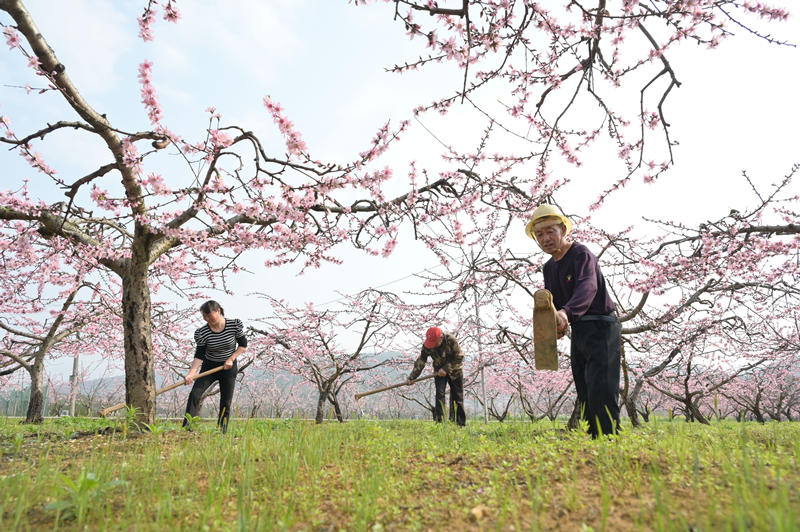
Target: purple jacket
[(577, 284)]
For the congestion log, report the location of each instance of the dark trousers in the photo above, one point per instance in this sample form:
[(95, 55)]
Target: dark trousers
[(595, 358), (227, 383), (456, 396)]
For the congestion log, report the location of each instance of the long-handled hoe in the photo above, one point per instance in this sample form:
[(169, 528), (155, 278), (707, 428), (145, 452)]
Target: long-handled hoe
[(379, 390), (104, 412)]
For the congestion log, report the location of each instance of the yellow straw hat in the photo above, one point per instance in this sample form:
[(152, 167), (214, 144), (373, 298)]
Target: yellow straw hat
[(546, 210)]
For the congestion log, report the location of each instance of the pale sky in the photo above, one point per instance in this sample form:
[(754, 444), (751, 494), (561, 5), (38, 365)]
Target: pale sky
[(324, 61)]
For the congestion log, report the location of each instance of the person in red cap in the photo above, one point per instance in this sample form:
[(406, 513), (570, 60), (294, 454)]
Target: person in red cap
[(444, 351)]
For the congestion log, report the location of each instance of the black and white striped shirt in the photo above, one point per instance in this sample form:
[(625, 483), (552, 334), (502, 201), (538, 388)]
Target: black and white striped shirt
[(218, 346)]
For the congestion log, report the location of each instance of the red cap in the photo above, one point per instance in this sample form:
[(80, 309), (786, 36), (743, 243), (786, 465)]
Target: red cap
[(432, 336)]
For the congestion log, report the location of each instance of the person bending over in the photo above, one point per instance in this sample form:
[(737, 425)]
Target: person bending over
[(444, 351), (219, 342)]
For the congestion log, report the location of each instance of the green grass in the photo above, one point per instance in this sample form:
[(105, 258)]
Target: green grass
[(398, 475)]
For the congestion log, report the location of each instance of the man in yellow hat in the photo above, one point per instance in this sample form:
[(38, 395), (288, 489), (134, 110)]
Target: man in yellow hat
[(573, 276)]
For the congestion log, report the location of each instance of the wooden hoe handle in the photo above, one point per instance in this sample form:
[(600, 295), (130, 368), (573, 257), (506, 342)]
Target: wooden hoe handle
[(379, 390), (104, 412)]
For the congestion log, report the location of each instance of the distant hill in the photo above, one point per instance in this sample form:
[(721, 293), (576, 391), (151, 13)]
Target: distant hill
[(115, 384)]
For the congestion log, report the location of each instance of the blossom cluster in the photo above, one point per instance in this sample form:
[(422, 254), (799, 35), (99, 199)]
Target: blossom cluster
[(148, 17), (12, 37), (149, 98), (294, 142)]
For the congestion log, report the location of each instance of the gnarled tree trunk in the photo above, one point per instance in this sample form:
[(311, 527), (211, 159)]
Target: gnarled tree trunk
[(36, 401), (693, 410), (334, 400), (575, 417), (630, 403), (323, 395), (140, 391)]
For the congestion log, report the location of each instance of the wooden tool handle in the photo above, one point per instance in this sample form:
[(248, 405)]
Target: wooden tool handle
[(379, 390), (104, 412)]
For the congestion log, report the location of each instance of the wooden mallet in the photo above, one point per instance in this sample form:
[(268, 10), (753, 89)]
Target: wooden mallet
[(104, 412), (379, 390)]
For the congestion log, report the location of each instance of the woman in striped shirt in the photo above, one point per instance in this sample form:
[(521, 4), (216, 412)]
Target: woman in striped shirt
[(219, 342)]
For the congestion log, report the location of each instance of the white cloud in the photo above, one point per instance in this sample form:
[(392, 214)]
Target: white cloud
[(88, 36), (250, 36)]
